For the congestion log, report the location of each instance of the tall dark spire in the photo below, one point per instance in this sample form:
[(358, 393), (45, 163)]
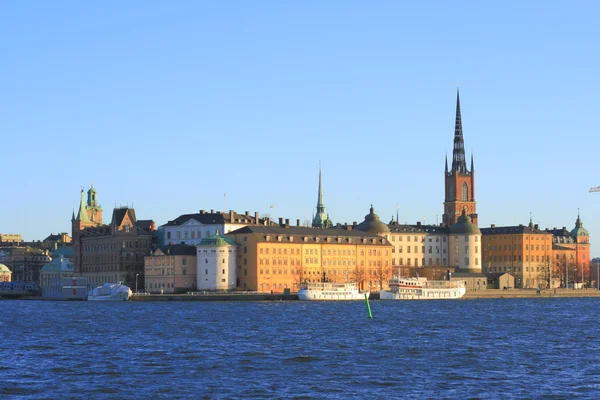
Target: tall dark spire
[(458, 156), (321, 219)]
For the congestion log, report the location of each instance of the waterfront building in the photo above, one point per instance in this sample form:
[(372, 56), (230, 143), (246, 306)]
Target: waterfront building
[(275, 258), (170, 269), (321, 219), (459, 181), (538, 258), (115, 253), (52, 274), (216, 262), (191, 228), (571, 254), (5, 273)]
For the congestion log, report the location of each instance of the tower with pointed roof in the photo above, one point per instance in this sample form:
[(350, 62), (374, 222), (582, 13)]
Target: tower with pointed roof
[(89, 214), (321, 219), (459, 181)]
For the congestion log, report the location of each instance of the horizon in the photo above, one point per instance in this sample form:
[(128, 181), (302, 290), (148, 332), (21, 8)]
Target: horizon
[(167, 108)]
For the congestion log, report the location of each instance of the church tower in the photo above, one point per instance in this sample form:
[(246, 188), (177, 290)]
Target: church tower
[(321, 219), (459, 181), (89, 215)]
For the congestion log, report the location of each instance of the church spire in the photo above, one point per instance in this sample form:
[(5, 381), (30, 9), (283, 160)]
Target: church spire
[(321, 219), (458, 156), (82, 216), (446, 164), (320, 203)]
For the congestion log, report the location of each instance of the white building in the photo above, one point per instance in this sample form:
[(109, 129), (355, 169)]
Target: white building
[(216, 263), (191, 228)]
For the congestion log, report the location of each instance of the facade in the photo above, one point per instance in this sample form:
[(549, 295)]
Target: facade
[(459, 181), (25, 263), (191, 228), (115, 253), (216, 262), (5, 273), (171, 269), (279, 258), (525, 252), (571, 255), (321, 219)]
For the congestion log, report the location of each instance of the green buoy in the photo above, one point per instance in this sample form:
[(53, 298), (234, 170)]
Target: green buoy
[(368, 306)]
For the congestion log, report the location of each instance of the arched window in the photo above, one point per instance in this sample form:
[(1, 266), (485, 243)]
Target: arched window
[(464, 192)]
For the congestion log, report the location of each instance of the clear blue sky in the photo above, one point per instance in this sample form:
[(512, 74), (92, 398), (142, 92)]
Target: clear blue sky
[(168, 105)]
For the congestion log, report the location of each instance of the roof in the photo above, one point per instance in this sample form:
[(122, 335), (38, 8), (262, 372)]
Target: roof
[(216, 218), (119, 214), (505, 230), (312, 235), (464, 225), (431, 229), (65, 251), (217, 241), (467, 275), (59, 264), (146, 225), (4, 268), (372, 224)]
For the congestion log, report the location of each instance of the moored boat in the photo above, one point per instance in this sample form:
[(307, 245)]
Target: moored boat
[(110, 292), (330, 291), (403, 288)]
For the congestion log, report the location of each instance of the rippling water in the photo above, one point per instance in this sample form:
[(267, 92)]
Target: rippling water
[(486, 349)]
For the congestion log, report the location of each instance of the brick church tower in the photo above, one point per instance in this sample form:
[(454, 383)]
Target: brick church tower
[(89, 215), (459, 181)]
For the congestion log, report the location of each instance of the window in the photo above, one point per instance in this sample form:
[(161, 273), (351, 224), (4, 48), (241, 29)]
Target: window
[(464, 192)]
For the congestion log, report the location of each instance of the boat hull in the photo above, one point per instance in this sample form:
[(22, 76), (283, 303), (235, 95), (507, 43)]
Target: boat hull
[(314, 295), (423, 294)]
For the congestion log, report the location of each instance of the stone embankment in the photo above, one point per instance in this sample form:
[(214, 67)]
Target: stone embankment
[(530, 293)]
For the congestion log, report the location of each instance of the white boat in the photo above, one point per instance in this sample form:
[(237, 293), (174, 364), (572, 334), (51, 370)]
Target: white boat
[(110, 292), (422, 289), (330, 291)]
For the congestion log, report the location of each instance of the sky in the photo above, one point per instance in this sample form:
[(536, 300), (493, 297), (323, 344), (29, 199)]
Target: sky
[(173, 107)]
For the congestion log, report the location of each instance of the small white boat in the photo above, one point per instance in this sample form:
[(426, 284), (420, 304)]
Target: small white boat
[(422, 289), (330, 291), (110, 292)]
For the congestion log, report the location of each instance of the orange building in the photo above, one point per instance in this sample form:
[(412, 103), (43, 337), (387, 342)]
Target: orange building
[(279, 258), (525, 252), (571, 254)]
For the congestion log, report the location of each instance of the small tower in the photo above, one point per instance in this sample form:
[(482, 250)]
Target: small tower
[(321, 219), (459, 181)]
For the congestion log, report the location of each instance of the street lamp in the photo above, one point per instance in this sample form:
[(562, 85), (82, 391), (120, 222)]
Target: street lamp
[(136, 279)]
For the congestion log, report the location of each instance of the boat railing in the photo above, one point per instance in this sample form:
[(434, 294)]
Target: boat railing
[(206, 293)]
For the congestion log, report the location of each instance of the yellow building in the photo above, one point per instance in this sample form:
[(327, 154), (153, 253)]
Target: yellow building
[(279, 258), (170, 269)]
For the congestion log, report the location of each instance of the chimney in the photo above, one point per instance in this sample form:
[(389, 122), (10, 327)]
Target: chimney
[(493, 225), (287, 222), (267, 221), (246, 213), (348, 227), (418, 223), (354, 224), (201, 212), (536, 227), (280, 221), (231, 216), (256, 217), (212, 211), (564, 228), (298, 222)]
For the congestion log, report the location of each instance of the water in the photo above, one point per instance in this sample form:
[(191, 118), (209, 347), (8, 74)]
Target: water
[(485, 349)]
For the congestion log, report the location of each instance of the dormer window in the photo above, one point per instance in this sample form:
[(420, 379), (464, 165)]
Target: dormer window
[(127, 228)]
